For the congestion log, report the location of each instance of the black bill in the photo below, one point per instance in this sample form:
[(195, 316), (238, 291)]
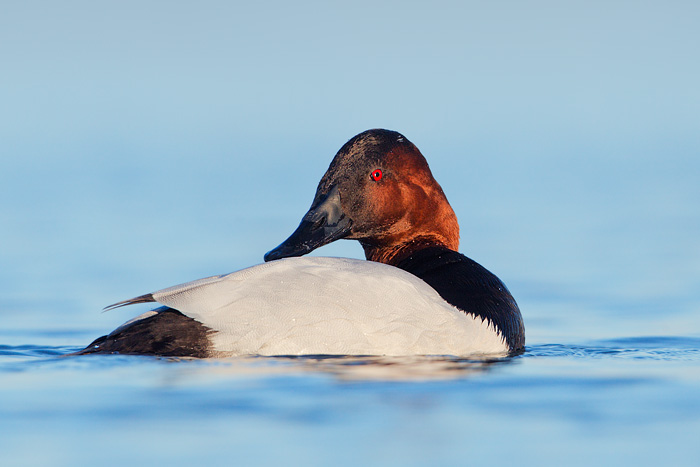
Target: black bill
[(324, 223)]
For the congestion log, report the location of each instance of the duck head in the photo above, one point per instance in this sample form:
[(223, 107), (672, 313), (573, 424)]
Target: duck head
[(378, 190)]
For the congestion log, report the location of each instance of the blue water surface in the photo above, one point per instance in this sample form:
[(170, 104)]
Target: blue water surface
[(148, 144)]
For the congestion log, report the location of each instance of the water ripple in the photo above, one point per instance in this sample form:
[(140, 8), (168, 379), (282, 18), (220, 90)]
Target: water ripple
[(34, 350), (637, 348)]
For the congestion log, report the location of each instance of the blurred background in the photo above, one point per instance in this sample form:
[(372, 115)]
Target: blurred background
[(144, 144), (149, 143)]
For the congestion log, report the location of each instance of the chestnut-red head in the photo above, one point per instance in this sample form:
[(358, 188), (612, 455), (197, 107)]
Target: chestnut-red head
[(378, 190)]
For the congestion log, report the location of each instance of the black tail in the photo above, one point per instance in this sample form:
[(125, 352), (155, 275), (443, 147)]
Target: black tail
[(168, 333)]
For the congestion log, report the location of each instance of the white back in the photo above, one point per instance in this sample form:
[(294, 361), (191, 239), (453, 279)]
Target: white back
[(339, 306)]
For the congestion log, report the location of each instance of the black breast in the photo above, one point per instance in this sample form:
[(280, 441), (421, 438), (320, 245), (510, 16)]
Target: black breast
[(167, 333), (470, 287)]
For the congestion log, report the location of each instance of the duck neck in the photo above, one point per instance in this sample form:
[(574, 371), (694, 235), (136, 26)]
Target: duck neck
[(394, 254)]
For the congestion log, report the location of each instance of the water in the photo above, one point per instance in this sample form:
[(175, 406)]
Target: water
[(143, 146), (610, 402)]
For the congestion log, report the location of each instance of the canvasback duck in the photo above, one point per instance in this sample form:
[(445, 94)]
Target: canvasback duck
[(416, 295)]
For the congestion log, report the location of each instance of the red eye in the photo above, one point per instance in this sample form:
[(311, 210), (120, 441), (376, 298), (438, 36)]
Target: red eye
[(377, 175)]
